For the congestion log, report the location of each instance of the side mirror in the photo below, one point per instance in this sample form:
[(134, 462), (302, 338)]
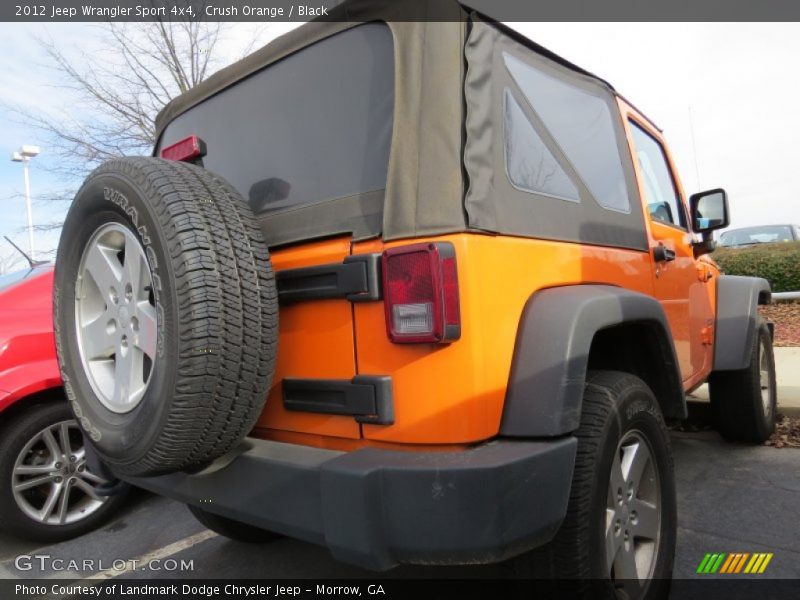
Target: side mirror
[(709, 211)]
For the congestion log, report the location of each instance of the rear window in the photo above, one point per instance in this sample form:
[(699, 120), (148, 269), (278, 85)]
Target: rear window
[(313, 127)]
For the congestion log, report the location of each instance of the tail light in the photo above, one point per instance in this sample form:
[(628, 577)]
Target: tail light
[(420, 290), (187, 150)]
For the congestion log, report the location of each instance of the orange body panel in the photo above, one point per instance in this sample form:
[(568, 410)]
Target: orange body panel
[(315, 341), (454, 393)]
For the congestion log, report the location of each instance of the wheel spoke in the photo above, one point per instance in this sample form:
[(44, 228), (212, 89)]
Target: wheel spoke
[(63, 434), (91, 477), (646, 525), (146, 336), (613, 539), (132, 270), (634, 460), (617, 481), (34, 469), (34, 482), (102, 265), (88, 489), (50, 503), (96, 341), (52, 446), (129, 377), (63, 505), (625, 563), (122, 376)]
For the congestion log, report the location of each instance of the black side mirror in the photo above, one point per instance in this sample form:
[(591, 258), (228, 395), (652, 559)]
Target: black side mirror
[(709, 211)]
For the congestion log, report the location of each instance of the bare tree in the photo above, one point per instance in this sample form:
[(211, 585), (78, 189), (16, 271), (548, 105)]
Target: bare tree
[(120, 89)]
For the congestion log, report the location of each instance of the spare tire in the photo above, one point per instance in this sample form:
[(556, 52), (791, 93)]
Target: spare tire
[(165, 315)]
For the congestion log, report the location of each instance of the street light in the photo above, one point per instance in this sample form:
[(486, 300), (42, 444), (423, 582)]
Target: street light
[(24, 155)]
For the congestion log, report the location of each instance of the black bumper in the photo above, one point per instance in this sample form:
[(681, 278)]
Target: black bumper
[(377, 508)]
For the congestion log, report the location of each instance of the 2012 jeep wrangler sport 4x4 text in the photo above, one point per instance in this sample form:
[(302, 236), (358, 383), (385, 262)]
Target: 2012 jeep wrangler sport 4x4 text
[(419, 292)]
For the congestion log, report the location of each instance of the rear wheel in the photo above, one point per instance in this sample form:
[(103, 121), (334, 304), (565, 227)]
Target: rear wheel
[(235, 530), (744, 402), (618, 537)]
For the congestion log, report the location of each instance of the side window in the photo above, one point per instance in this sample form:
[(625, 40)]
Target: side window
[(531, 166), (582, 124), (662, 198)]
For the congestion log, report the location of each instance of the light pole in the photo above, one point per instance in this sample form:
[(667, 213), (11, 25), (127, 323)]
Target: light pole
[(25, 154)]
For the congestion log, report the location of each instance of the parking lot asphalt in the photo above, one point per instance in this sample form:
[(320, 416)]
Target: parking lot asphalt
[(731, 498)]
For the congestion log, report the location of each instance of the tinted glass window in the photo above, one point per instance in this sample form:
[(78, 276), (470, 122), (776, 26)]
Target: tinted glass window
[(660, 194), (314, 126), (531, 167), (582, 125)]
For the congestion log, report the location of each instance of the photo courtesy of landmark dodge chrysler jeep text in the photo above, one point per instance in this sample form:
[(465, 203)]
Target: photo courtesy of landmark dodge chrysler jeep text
[(418, 292)]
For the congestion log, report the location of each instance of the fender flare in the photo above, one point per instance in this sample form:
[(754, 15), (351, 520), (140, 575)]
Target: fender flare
[(556, 330), (737, 319)]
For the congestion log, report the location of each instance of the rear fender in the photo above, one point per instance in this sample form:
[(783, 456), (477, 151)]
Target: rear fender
[(558, 325)]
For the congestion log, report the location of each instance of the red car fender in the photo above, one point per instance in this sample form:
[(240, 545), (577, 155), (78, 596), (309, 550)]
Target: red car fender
[(28, 362)]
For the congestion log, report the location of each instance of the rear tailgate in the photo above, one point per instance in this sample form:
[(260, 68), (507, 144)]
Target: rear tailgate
[(316, 342)]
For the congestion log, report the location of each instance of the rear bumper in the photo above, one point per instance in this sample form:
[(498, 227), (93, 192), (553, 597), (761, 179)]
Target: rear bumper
[(377, 508)]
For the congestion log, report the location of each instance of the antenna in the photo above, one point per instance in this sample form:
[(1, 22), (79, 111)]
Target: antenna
[(694, 149), (31, 262)]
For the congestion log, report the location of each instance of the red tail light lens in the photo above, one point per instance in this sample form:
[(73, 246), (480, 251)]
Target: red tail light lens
[(188, 149), (420, 290)]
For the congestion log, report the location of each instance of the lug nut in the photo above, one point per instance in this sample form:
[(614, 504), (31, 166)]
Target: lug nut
[(72, 481), (58, 465), (72, 459), (59, 479)]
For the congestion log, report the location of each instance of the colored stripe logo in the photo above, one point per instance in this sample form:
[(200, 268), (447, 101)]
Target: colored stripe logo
[(734, 562)]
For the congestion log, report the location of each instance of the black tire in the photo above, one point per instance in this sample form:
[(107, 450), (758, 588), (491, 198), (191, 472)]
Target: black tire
[(740, 414), (214, 295), (15, 435), (615, 406), (241, 532)]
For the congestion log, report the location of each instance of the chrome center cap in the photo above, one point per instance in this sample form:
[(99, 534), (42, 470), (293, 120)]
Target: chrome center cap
[(124, 317)]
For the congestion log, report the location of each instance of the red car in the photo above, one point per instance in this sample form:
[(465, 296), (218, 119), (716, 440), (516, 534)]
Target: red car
[(47, 493)]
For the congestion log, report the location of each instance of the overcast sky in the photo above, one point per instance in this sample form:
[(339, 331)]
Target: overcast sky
[(726, 95)]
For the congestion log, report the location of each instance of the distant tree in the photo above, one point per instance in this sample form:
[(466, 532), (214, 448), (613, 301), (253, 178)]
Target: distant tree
[(120, 89), (116, 84)]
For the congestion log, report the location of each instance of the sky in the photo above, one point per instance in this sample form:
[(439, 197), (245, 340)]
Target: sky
[(726, 95)]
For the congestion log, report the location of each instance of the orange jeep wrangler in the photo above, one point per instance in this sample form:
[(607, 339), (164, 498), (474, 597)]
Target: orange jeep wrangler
[(419, 292)]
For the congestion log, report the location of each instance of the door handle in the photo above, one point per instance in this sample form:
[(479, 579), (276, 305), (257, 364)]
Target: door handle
[(663, 254)]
